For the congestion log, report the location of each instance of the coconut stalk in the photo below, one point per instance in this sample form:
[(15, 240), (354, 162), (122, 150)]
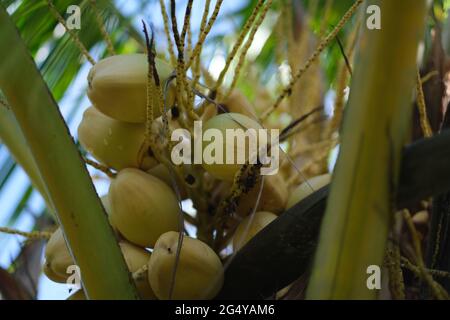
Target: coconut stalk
[(359, 211), (12, 137), (80, 213)]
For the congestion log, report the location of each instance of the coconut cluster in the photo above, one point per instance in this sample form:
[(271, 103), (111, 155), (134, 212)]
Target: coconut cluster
[(142, 203)]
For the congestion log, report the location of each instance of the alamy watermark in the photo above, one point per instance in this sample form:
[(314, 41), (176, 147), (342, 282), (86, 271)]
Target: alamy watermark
[(73, 282), (373, 21), (374, 277), (236, 146), (73, 20)]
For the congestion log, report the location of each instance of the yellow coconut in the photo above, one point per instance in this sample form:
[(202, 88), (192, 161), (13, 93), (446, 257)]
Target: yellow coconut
[(273, 197), (250, 226), (307, 188), (105, 202), (136, 258), (237, 124), (142, 207), (162, 172), (115, 144), (52, 275), (199, 274), (57, 258), (118, 86)]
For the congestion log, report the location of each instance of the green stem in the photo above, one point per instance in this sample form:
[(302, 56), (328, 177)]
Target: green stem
[(377, 124), (80, 212)]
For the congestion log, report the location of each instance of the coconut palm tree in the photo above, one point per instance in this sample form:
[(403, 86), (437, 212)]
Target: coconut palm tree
[(292, 62)]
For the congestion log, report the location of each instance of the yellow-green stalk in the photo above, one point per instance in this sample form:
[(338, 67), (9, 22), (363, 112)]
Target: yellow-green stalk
[(358, 217)]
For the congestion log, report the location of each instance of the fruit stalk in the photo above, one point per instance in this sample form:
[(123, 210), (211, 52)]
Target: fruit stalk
[(80, 212), (358, 217)]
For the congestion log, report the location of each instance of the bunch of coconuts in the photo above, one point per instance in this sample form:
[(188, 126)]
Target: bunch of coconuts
[(141, 205)]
